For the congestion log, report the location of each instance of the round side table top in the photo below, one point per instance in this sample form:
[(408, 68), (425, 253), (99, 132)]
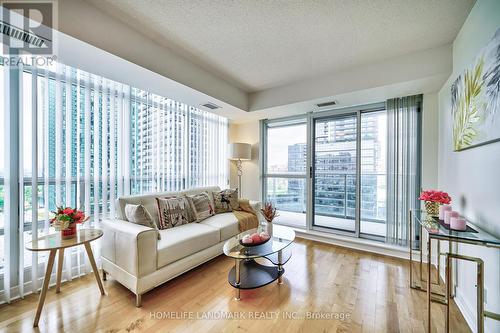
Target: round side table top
[(54, 241)]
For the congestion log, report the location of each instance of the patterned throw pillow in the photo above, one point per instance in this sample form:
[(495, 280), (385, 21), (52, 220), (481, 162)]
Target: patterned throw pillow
[(139, 215), (226, 201), (201, 206), (173, 212), (190, 211)]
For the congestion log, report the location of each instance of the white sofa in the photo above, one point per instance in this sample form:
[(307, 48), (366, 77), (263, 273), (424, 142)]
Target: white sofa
[(133, 255)]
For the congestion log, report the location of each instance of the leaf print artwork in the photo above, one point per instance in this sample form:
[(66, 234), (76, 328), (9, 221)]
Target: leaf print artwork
[(475, 100)]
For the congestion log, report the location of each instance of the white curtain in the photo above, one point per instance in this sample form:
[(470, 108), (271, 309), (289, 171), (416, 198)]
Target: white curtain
[(68, 125), (82, 140), (403, 164)]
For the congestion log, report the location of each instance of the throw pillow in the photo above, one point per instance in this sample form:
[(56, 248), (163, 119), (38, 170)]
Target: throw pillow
[(172, 212), (226, 201), (189, 208), (201, 206), (139, 215)]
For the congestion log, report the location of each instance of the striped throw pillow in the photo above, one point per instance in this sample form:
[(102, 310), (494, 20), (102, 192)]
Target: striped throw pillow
[(201, 206)]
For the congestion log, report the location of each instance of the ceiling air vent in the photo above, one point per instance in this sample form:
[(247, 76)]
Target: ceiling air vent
[(211, 106), (19, 34), (322, 105)]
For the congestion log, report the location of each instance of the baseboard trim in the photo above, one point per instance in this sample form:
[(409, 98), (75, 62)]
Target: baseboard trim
[(466, 311), (356, 244), (28, 289)]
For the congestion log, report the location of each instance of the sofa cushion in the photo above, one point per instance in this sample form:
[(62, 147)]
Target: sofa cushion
[(226, 223), (182, 241)]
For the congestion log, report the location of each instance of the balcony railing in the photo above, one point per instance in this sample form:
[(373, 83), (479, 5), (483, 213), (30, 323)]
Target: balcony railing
[(330, 189)]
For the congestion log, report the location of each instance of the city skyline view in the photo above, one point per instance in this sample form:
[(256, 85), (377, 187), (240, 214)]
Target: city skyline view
[(334, 169)]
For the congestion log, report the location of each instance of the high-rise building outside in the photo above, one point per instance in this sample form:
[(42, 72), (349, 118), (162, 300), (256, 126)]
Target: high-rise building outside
[(335, 171)]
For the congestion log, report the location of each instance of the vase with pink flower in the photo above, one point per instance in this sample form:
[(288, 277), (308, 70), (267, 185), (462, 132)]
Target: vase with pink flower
[(66, 219), (434, 198)]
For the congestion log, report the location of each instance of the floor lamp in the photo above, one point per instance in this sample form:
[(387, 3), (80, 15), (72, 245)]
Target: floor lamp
[(240, 152)]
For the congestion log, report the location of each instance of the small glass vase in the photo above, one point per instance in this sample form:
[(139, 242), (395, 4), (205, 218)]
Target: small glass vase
[(432, 208), (69, 232)]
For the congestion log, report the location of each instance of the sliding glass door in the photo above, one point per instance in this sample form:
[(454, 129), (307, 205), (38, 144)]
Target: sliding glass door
[(328, 171), (335, 160), (353, 171), (285, 166), (349, 173), (373, 173)]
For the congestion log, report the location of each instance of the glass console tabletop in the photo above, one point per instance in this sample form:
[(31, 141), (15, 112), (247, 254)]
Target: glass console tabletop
[(439, 231), (281, 237)]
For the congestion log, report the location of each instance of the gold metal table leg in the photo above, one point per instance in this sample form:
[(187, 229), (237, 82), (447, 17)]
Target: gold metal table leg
[(421, 254), (479, 289), (438, 258), (429, 265)]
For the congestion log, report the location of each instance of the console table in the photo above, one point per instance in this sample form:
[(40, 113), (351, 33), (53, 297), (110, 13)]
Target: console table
[(438, 231)]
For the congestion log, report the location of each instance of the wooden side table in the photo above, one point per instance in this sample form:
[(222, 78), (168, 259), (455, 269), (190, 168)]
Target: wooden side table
[(54, 243)]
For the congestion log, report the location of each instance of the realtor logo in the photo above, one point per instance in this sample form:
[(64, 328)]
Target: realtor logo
[(26, 27)]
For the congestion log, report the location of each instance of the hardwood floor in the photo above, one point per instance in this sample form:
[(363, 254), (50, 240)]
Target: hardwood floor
[(371, 292)]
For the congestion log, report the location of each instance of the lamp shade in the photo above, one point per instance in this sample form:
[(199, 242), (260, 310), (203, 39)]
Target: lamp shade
[(240, 151)]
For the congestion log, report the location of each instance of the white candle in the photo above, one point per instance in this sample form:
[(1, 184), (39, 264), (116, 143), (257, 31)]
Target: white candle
[(458, 223), (449, 214), (442, 210)]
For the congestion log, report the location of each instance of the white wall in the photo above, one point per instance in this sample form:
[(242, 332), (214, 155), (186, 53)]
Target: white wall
[(250, 181), (472, 177), (430, 135)]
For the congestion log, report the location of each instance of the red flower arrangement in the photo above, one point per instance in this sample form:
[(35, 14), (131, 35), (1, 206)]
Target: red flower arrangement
[(65, 217), (440, 197)]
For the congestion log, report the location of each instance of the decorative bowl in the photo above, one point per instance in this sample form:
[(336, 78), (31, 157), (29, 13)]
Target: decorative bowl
[(253, 244)]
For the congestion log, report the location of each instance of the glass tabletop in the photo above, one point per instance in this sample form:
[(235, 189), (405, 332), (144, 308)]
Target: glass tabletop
[(281, 237), (473, 234)]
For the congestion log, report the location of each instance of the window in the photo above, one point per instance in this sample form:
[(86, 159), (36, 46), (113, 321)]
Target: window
[(285, 170), (83, 141), (175, 146), (335, 176), (373, 197)]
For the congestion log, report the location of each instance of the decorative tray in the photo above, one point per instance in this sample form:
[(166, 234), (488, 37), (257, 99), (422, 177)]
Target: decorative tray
[(447, 227)]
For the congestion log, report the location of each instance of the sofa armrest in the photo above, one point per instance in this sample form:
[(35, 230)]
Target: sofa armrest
[(130, 246), (256, 205)]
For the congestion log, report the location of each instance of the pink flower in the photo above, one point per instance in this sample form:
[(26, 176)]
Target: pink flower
[(435, 196), (78, 216), (68, 211)]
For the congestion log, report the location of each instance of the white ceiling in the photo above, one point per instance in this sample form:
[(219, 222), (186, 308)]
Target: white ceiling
[(258, 45)]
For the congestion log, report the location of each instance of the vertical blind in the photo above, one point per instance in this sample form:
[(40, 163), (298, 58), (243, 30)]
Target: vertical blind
[(403, 164), (175, 146), (82, 140)]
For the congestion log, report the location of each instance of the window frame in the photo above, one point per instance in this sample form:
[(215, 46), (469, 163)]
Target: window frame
[(310, 119), (265, 175)]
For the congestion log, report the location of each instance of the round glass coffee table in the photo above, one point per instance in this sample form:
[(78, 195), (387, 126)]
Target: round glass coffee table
[(247, 273)]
